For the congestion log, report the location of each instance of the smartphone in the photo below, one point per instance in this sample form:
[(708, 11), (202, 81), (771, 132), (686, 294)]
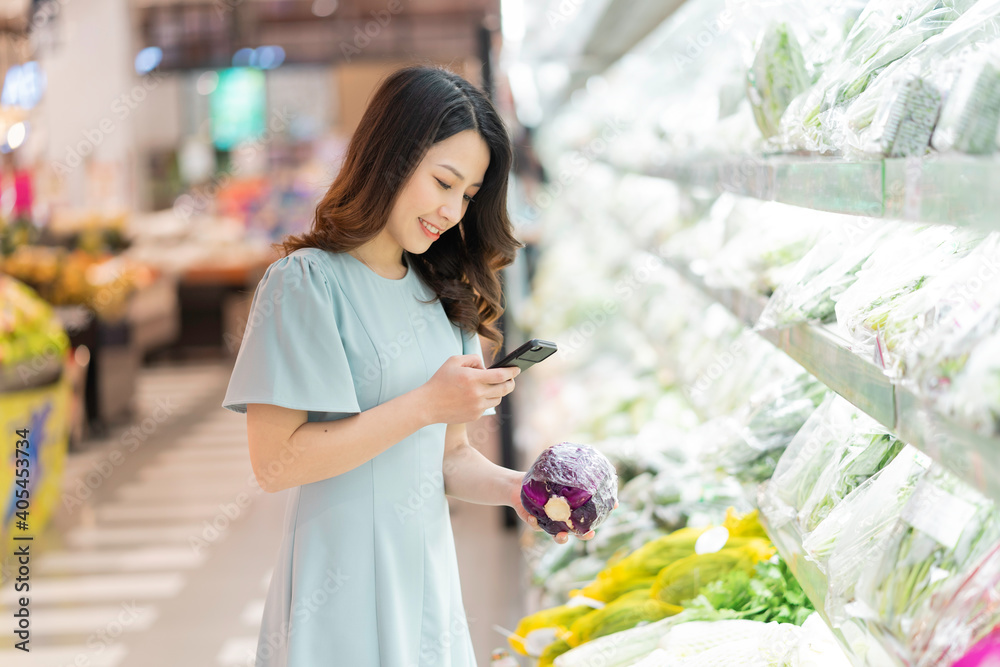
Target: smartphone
[(530, 353)]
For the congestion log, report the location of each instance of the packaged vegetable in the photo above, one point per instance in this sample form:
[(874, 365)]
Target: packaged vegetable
[(943, 532), (623, 614), (570, 488), (538, 630), (971, 114)]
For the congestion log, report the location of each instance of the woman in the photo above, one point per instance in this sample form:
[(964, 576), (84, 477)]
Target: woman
[(361, 365)]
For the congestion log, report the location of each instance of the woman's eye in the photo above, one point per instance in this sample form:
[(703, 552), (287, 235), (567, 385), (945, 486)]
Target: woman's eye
[(448, 187)]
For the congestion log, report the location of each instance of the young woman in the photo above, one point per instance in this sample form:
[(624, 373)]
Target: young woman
[(359, 368)]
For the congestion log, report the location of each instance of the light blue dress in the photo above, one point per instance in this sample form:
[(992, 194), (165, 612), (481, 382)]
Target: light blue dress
[(366, 573)]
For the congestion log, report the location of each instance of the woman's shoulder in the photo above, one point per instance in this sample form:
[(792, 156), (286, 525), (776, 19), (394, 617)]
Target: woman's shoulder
[(314, 267), (309, 259)]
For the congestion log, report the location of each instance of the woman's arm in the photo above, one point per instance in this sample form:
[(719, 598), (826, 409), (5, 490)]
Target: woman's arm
[(286, 450), (470, 476)]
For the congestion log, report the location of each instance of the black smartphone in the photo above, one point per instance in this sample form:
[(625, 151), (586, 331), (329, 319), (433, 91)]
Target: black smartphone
[(530, 353)]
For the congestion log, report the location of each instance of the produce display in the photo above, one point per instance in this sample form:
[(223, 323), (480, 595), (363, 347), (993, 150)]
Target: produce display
[(101, 282), (671, 373), (29, 329)]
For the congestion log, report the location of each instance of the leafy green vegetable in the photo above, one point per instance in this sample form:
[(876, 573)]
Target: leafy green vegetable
[(772, 594)]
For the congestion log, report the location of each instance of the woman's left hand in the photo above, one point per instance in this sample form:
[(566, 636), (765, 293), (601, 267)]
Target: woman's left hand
[(514, 500)]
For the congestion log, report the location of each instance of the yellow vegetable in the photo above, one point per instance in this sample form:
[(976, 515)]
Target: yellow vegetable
[(557, 618), (624, 613), (682, 580), (553, 651), (747, 525)]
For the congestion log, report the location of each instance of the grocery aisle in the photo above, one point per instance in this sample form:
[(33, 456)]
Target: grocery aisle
[(162, 550)]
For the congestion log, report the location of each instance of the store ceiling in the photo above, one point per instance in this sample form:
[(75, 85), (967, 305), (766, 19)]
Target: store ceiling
[(585, 37), (206, 34)]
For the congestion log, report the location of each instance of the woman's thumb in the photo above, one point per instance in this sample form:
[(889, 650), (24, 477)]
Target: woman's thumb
[(472, 361)]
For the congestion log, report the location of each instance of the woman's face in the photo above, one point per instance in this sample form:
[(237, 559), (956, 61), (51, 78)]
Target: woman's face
[(439, 190)]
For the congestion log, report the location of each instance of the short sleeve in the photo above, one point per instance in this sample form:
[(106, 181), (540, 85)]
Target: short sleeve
[(292, 354), (471, 344)]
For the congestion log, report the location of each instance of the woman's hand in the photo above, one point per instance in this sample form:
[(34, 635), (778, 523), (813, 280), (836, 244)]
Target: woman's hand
[(514, 500), (462, 389)]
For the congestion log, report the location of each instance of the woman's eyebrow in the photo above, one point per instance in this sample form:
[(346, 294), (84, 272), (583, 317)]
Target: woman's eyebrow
[(456, 172)]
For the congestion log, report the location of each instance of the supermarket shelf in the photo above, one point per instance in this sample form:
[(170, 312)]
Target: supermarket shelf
[(952, 189), (972, 457), (816, 349)]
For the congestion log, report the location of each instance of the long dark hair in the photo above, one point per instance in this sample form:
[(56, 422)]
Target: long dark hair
[(414, 108)]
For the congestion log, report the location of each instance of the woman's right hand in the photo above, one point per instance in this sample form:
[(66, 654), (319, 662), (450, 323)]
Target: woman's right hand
[(463, 388)]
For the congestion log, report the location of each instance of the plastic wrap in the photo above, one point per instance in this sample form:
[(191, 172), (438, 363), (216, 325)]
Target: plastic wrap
[(971, 609), (952, 307), (763, 428), (970, 117), (886, 31), (816, 446), (890, 274), (867, 451), (570, 488), (941, 536), (767, 238), (777, 74), (809, 291), (852, 535)]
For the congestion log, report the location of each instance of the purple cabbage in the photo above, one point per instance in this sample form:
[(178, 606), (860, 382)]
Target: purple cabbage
[(570, 488)]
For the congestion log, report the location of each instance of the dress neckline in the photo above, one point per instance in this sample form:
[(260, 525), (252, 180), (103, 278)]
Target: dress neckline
[(370, 271)]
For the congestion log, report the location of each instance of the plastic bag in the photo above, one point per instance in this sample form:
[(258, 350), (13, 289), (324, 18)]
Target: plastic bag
[(867, 451), (890, 274), (970, 117), (853, 535), (972, 608), (928, 323), (944, 531), (808, 293), (813, 449), (763, 428), (886, 31)]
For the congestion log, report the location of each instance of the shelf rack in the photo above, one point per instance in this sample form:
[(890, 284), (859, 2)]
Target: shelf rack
[(972, 457), (949, 189)]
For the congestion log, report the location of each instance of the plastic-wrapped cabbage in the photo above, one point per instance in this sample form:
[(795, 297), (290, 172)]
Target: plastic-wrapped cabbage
[(777, 75), (944, 531), (570, 488)]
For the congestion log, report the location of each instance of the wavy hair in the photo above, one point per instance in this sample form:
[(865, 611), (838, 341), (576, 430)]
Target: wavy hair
[(414, 108)]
